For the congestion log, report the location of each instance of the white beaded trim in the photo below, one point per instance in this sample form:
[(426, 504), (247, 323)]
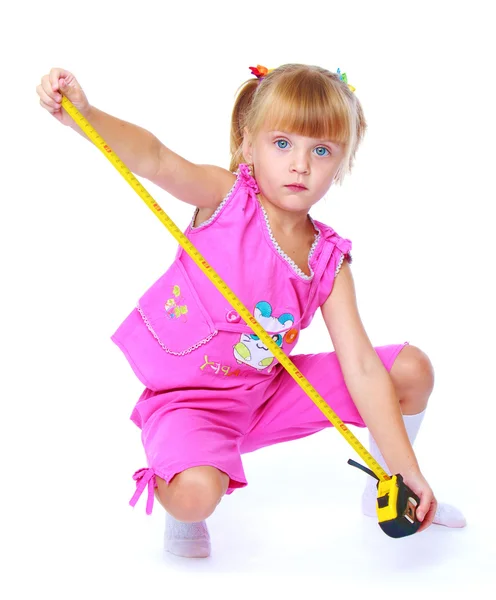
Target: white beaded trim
[(217, 210), (341, 262), (280, 251), (168, 350)]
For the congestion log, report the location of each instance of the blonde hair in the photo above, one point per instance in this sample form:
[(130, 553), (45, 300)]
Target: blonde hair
[(302, 99)]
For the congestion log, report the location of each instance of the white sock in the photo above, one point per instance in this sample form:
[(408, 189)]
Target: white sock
[(190, 540), (446, 514)]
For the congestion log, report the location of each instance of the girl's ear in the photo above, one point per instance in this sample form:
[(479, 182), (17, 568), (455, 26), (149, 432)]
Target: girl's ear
[(246, 147)]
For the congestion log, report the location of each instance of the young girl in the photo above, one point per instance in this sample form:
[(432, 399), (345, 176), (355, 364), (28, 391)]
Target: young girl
[(212, 391)]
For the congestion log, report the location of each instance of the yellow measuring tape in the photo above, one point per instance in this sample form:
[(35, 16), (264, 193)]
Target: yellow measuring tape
[(225, 291)]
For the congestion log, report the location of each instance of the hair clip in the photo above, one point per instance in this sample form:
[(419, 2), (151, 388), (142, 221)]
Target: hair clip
[(260, 72), (344, 78)]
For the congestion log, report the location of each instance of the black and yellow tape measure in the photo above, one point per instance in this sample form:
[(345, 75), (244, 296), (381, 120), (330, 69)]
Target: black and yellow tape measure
[(396, 505), (393, 511)]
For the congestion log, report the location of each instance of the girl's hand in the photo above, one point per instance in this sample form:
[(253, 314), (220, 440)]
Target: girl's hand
[(52, 85), (428, 503)]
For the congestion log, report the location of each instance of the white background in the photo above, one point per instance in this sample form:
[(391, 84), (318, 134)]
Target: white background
[(78, 247)]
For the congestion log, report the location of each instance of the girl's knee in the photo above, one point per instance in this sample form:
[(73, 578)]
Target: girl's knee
[(412, 372), (193, 494)]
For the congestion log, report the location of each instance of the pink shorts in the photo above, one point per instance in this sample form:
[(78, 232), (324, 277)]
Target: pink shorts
[(189, 428)]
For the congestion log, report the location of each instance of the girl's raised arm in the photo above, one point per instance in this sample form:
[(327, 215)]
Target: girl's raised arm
[(203, 186)]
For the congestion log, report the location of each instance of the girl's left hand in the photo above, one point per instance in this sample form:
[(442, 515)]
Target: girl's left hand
[(428, 503)]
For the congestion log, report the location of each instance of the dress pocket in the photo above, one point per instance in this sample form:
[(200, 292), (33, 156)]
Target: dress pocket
[(174, 313)]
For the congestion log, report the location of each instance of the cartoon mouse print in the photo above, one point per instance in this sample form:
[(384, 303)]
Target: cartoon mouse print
[(251, 351)]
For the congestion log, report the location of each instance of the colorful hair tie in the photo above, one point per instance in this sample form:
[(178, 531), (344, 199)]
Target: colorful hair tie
[(344, 78), (260, 72)]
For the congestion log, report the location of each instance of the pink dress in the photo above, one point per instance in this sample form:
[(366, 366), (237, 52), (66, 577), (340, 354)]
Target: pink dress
[(213, 391)]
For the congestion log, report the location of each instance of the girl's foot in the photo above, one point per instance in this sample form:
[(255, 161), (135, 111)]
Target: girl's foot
[(190, 540), (446, 514)]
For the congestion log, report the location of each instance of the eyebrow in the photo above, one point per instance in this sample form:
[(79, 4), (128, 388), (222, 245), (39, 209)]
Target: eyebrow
[(276, 131)]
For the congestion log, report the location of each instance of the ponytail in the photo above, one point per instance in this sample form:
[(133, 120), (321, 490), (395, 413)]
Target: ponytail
[(240, 111)]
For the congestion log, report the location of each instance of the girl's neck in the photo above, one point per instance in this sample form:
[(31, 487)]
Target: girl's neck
[(288, 223)]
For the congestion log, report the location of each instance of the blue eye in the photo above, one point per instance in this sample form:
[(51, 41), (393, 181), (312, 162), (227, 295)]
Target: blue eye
[(277, 339), (254, 337), (283, 142), (322, 148)]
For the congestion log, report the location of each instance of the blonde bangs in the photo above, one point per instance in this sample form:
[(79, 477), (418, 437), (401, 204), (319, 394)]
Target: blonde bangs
[(306, 104)]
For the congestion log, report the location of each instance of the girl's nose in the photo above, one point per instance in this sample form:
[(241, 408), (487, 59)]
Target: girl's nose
[(300, 166)]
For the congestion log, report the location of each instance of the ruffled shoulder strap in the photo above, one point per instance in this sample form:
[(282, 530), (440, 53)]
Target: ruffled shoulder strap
[(341, 251), (246, 178)]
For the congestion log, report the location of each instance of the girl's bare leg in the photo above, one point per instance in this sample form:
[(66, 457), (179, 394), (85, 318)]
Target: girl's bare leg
[(189, 499)]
